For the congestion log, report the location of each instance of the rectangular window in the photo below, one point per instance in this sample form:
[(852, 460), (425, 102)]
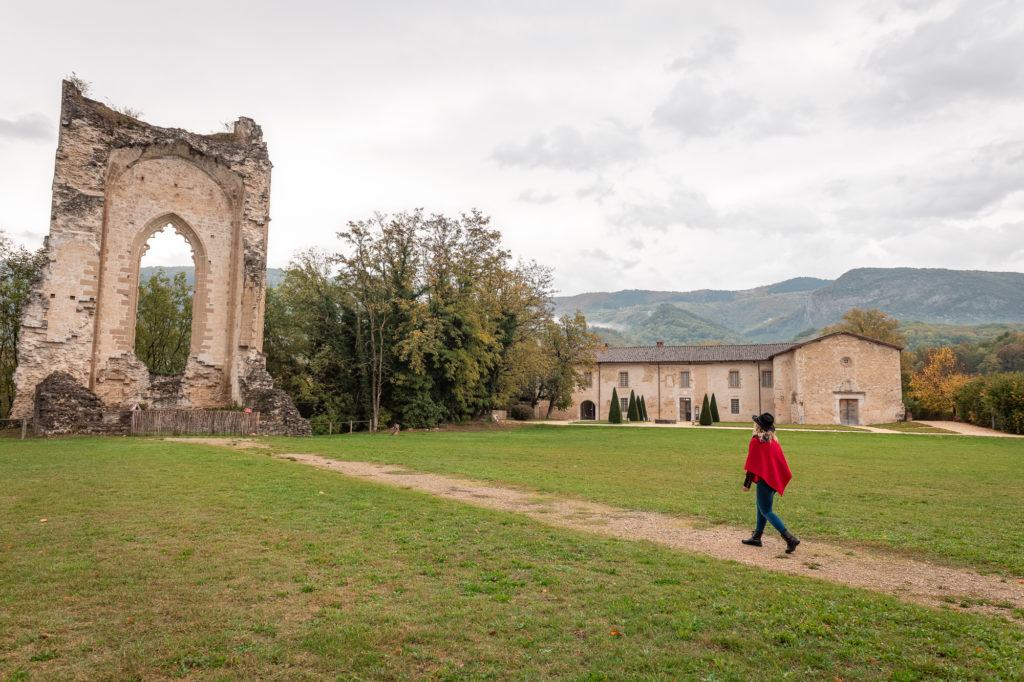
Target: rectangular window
[(734, 405), (734, 379), (624, 379), (684, 379), (588, 379), (624, 404), (766, 379)]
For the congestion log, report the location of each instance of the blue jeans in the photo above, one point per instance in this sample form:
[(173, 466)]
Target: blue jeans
[(765, 496)]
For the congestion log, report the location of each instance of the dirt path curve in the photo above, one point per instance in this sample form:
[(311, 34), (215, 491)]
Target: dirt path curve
[(917, 581)]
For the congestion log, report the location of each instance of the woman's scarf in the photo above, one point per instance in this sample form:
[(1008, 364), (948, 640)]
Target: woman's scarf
[(767, 462)]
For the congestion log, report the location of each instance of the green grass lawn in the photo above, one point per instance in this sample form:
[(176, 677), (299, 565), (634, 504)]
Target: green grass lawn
[(184, 560), (953, 499)]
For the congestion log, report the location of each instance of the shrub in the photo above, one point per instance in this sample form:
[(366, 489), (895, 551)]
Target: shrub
[(615, 412), (643, 409), (521, 412), (714, 409), (996, 400), (633, 412), (705, 412)]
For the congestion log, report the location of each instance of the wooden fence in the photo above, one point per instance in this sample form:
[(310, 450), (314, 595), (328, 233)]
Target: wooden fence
[(194, 422)]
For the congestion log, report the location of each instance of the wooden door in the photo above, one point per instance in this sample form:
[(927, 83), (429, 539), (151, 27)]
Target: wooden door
[(684, 410), (848, 412)]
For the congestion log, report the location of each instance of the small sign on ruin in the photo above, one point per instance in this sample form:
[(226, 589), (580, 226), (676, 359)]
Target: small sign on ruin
[(116, 182)]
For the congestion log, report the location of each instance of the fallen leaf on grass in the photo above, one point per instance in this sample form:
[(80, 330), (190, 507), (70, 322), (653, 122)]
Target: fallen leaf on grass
[(45, 635), (42, 520), (616, 633), (396, 652)]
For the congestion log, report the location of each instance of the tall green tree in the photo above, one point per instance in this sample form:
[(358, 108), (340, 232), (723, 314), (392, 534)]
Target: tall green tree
[(569, 351), (614, 409), (714, 409), (643, 409), (163, 323), (705, 412), (631, 411), (309, 339), (378, 270), (417, 320), (19, 267)]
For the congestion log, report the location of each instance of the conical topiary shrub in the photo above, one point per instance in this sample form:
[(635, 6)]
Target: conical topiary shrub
[(705, 412), (614, 411), (714, 409), (643, 409), (632, 412)]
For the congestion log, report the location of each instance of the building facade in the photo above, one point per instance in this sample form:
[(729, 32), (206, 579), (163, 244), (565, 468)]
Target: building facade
[(840, 378)]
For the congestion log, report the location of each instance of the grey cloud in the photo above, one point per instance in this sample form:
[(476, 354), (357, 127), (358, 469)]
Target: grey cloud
[(682, 207), (693, 109), (960, 188), (27, 127), (568, 148), (598, 190), (596, 254), (712, 49), (775, 219), (532, 196), (975, 52)]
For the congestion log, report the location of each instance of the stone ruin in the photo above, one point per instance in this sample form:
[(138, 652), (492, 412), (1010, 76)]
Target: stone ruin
[(116, 182)]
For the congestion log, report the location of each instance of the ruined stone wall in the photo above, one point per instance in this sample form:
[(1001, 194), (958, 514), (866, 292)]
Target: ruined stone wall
[(116, 182)]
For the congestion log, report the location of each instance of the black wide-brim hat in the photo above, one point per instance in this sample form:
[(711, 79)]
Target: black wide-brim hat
[(766, 421)]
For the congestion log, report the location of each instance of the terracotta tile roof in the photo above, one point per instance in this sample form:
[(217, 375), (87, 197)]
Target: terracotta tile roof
[(694, 354), (697, 354)]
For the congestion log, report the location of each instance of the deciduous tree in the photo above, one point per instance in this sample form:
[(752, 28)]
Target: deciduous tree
[(936, 384), (163, 323), (569, 351), (19, 267), (871, 323)]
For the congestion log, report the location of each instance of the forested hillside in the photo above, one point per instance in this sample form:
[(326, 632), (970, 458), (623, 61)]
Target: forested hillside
[(934, 307)]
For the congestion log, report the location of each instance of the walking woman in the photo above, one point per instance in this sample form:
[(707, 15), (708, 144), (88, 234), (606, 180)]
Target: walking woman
[(766, 466)]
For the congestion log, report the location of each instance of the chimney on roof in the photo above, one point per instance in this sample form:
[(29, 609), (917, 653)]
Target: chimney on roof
[(660, 344)]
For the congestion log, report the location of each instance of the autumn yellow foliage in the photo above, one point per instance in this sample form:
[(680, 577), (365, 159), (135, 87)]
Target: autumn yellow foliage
[(938, 381)]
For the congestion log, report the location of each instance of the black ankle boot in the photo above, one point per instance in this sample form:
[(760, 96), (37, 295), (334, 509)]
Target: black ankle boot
[(791, 541), (754, 539)]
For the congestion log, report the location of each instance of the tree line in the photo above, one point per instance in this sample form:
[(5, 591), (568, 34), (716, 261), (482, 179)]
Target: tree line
[(417, 320)]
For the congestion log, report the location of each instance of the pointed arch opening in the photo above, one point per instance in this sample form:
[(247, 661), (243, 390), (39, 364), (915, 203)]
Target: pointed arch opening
[(165, 295)]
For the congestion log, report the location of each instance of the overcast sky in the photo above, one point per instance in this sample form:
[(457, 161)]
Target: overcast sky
[(672, 145)]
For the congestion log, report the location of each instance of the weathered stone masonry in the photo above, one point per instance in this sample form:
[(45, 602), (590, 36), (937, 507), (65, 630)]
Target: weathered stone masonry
[(116, 182)]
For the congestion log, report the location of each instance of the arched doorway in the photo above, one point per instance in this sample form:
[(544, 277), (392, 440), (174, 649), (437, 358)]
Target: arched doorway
[(588, 411), (164, 307)]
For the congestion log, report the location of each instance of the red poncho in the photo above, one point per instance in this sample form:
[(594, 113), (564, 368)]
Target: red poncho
[(766, 461)]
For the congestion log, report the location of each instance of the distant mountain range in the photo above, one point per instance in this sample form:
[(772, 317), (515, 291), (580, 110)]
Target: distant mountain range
[(947, 303), (933, 306), (274, 275)]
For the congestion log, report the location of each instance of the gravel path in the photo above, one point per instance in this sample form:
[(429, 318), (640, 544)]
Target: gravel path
[(917, 581)]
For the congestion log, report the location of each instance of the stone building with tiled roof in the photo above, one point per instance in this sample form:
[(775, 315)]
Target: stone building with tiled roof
[(840, 378)]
